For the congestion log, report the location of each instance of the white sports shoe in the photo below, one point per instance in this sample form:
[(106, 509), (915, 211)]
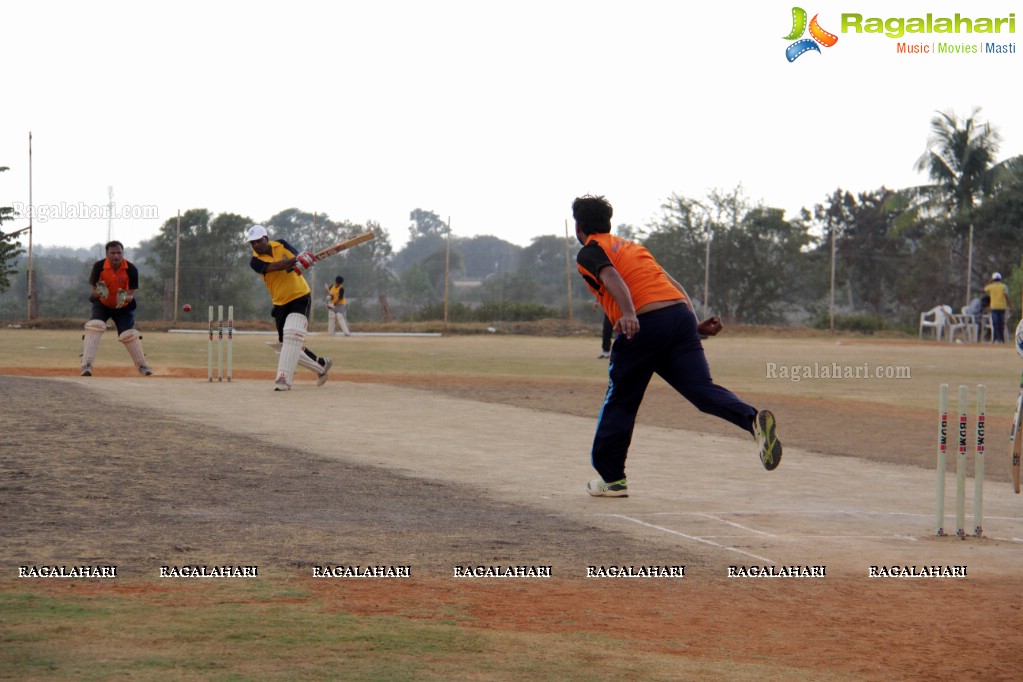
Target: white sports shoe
[(599, 488), (768, 446), (322, 378), (281, 385)]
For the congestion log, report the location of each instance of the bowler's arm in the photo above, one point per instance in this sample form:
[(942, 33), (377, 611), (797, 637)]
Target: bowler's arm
[(628, 323)]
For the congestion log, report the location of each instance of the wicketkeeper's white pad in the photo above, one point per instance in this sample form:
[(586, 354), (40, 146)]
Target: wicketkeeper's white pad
[(90, 341), (295, 326), (133, 343)]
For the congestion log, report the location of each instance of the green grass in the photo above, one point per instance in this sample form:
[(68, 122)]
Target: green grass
[(740, 361), (234, 632), (273, 629)]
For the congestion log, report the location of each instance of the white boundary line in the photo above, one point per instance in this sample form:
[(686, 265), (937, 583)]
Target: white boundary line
[(693, 538)]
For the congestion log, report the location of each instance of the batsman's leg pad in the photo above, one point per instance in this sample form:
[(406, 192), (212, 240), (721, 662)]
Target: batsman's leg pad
[(330, 323), (90, 341), (295, 326), (133, 343), (343, 321), (309, 363)]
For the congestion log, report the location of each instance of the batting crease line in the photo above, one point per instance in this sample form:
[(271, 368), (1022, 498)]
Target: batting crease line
[(776, 512), (693, 538), (736, 525), (784, 538)]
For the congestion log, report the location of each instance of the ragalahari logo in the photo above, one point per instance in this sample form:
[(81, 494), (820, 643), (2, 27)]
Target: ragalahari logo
[(817, 35)]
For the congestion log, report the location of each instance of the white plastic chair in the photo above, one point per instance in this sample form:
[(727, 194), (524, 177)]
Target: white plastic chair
[(965, 322), (937, 319)]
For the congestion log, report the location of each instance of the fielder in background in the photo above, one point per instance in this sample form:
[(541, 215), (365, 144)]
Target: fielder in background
[(999, 294), (114, 282), (337, 307), (281, 267), (657, 332)]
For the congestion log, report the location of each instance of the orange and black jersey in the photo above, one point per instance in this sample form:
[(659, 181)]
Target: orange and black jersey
[(125, 278), (643, 275)]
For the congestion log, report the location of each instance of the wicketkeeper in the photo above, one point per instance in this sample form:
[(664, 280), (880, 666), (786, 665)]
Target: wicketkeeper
[(281, 267), (114, 282)]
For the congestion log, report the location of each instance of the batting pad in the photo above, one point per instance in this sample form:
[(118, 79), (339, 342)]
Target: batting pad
[(343, 322), (309, 363), (93, 333), (295, 326), (131, 340)]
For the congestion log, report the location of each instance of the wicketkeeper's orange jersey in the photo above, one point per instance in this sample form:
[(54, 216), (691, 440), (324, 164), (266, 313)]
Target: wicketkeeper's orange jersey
[(643, 275)]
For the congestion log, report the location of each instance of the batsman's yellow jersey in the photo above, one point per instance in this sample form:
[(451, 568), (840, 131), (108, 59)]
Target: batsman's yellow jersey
[(284, 286)]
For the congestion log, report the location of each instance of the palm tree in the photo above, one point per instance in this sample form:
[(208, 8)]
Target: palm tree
[(960, 160)]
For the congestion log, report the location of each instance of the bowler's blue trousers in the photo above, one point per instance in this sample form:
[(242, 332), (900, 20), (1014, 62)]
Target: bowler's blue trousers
[(667, 344)]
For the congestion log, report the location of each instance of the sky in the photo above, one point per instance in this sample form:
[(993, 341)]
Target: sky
[(494, 115)]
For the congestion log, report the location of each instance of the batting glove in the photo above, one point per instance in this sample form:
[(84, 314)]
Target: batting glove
[(304, 261)]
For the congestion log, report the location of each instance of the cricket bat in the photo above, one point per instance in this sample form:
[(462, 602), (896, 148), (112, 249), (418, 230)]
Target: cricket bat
[(1017, 439), (346, 244)]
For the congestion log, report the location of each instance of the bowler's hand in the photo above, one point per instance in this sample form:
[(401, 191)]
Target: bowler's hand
[(628, 325), (710, 327)]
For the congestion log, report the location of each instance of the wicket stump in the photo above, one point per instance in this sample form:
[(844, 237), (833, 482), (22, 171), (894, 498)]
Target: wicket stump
[(961, 457), (220, 343)]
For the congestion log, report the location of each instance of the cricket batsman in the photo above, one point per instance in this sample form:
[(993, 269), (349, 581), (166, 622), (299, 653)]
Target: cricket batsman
[(281, 267)]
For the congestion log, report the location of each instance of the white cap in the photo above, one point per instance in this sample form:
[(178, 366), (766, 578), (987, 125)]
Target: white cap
[(255, 233), (997, 275)]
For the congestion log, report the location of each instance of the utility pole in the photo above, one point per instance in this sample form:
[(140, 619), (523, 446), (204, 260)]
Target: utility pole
[(110, 212), (33, 309)]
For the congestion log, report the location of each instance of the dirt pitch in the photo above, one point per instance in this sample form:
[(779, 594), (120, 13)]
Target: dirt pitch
[(442, 471)]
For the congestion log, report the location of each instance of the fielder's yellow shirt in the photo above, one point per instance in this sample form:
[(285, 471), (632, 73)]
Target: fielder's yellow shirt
[(284, 286), (999, 294), (337, 294)]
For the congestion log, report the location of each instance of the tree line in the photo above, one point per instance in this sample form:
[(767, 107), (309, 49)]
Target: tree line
[(858, 260)]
